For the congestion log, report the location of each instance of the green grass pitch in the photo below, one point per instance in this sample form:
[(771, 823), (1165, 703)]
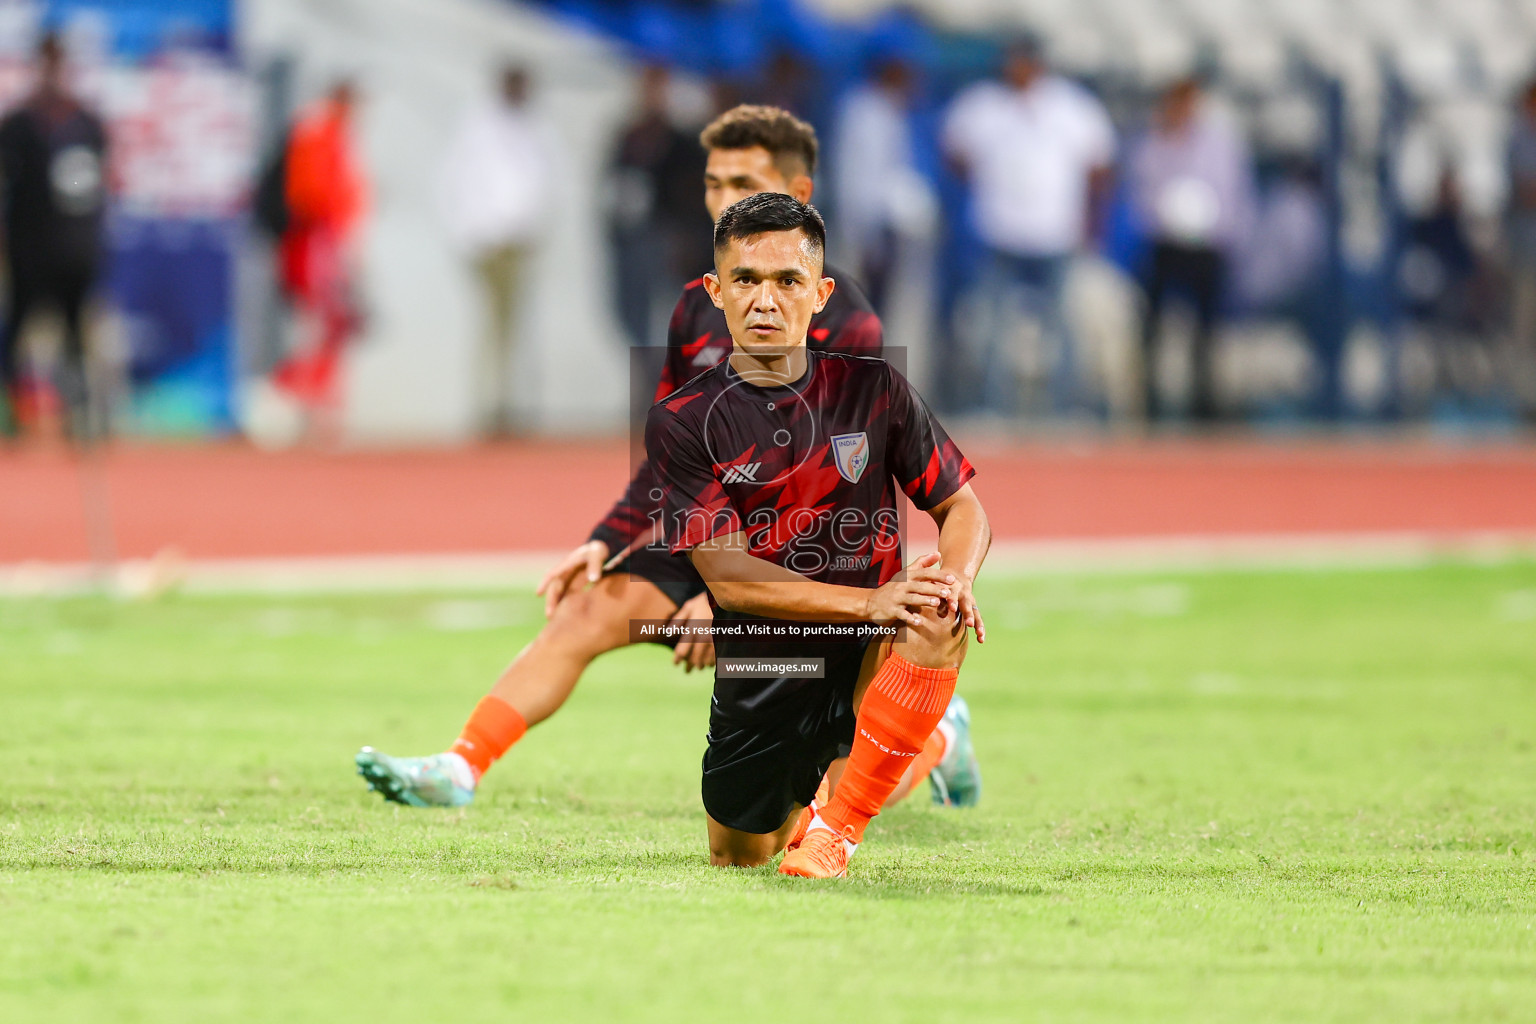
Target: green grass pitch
[(1219, 796)]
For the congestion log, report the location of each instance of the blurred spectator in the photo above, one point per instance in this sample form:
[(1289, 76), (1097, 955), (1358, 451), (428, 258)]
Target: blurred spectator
[(655, 178), (1286, 246), (327, 199), (1438, 257), (883, 201), (1036, 150), (1522, 244), (1443, 287), (496, 188), (1191, 185), (53, 158)]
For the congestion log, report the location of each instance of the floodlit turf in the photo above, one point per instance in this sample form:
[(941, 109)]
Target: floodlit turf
[(1231, 796)]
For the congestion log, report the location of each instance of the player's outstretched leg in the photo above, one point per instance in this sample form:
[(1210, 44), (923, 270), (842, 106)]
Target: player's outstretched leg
[(947, 762), (955, 779), (542, 677), (905, 695), (441, 780)]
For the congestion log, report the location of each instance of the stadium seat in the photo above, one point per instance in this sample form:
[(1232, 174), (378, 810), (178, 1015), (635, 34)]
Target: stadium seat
[(1506, 59), (1080, 49), (1429, 65), (1161, 54), (1252, 60)]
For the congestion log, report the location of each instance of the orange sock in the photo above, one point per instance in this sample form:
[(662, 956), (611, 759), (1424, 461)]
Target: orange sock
[(489, 733), (902, 706)]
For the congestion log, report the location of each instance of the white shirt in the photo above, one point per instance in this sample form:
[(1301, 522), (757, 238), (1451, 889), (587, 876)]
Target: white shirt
[(496, 181), (1194, 187), (1030, 152)]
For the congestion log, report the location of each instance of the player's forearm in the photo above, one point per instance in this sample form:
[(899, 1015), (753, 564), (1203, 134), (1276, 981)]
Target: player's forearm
[(807, 601), (964, 537), (743, 583)]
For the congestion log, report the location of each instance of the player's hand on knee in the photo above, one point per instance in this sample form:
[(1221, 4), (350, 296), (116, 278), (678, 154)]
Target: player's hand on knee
[(926, 587), (962, 608), (694, 652), (585, 560)]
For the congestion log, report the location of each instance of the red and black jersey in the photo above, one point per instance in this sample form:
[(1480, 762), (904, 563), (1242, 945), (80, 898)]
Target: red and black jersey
[(808, 471), (697, 339)]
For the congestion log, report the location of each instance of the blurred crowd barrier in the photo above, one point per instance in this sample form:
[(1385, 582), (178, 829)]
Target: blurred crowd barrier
[(1317, 211)]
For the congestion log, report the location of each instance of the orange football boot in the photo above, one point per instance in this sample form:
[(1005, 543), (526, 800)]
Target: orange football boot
[(821, 854), (803, 823), (823, 794)]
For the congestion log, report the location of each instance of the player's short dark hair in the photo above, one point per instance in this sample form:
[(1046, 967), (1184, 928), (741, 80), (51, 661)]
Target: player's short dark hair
[(790, 141), (769, 211)]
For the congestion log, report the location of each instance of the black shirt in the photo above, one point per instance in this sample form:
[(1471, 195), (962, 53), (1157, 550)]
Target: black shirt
[(54, 189)]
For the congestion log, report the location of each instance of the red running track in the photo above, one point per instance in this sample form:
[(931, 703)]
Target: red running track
[(230, 501)]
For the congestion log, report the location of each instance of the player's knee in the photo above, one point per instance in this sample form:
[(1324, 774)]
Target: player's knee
[(588, 623), (935, 642), (738, 859), (741, 852)]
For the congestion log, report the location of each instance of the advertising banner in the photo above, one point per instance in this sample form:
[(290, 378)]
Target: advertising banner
[(165, 78)]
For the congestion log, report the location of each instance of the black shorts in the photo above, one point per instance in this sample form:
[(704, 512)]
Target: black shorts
[(770, 741), (673, 574)]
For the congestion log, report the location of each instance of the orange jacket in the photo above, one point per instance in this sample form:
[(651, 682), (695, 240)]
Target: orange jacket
[(325, 183)]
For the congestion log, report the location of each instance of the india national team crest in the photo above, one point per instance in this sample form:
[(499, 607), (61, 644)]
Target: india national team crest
[(851, 453)]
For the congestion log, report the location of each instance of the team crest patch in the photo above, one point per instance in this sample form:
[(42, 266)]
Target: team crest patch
[(851, 453)]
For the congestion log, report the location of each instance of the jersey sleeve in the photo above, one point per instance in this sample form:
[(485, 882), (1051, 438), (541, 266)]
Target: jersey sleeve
[(926, 463), (682, 346), (862, 335), (695, 507), (632, 515), (672, 367), (856, 329)]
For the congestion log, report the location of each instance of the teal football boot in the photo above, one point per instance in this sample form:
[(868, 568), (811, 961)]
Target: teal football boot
[(956, 781), (441, 780)]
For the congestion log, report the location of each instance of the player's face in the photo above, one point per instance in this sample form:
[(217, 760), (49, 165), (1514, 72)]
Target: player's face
[(769, 286), (733, 174)]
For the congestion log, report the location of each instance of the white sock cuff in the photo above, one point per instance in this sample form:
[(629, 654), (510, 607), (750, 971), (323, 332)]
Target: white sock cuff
[(816, 822), (463, 774)]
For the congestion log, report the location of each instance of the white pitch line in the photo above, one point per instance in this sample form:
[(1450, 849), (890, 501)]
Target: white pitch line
[(515, 570), (1277, 551)]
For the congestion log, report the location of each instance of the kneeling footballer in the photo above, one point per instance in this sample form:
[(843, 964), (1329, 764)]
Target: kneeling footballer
[(780, 467)]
